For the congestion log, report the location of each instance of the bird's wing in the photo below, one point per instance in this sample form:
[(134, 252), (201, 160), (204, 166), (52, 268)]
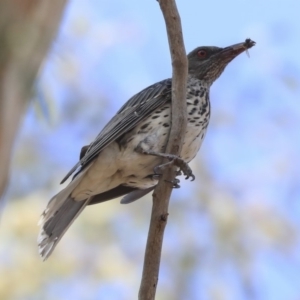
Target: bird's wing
[(131, 113), (131, 194)]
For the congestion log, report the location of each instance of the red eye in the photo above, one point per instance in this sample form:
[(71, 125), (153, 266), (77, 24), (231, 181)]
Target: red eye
[(202, 53)]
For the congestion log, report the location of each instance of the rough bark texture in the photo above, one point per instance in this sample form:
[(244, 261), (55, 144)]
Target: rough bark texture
[(27, 28), (163, 190)]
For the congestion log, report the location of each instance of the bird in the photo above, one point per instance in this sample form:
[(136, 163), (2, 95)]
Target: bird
[(125, 159)]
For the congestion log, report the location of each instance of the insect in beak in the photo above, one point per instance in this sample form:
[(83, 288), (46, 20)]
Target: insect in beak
[(247, 52)]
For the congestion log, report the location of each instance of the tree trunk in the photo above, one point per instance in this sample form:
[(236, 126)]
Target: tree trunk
[(27, 28)]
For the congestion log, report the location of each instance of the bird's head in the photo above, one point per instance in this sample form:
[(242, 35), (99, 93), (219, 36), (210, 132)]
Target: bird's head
[(208, 63)]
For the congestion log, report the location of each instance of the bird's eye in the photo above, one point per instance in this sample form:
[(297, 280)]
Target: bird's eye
[(202, 53)]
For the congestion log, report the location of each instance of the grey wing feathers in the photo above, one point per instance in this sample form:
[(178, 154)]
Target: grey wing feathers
[(116, 192), (135, 195), (131, 194), (131, 113)]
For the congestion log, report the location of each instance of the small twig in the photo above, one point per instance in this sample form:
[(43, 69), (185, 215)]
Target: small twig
[(163, 190)]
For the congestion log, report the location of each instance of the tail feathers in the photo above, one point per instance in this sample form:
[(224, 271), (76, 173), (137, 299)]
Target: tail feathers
[(55, 226), (60, 213)]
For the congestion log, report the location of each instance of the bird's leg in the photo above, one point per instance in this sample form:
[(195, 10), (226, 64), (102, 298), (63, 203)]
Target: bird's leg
[(173, 159), (157, 169)]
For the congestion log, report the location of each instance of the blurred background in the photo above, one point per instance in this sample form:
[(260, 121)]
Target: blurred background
[(234, 232)]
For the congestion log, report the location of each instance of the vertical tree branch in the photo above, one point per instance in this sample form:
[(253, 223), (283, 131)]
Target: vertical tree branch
[(27, 28), (163, 190)]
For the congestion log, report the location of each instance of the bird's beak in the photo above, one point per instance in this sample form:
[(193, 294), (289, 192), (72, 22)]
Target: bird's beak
[(235, 50)]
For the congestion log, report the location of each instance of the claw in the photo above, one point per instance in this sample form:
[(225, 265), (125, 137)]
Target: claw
[(175, 183), (155, 176), (193, 177), (155, 170), (190, 175), (178, 173), (184, 168)]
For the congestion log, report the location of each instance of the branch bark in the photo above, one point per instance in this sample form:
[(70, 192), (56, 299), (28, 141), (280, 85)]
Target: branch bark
[(27, 28), (162, 192)]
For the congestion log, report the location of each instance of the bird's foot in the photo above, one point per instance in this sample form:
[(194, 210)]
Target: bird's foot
[(175, 160)]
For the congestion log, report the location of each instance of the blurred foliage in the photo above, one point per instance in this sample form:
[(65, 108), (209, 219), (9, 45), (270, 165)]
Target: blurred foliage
[(231, 234)]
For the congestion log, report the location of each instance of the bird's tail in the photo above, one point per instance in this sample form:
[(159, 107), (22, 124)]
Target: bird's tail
[(60, 213)]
